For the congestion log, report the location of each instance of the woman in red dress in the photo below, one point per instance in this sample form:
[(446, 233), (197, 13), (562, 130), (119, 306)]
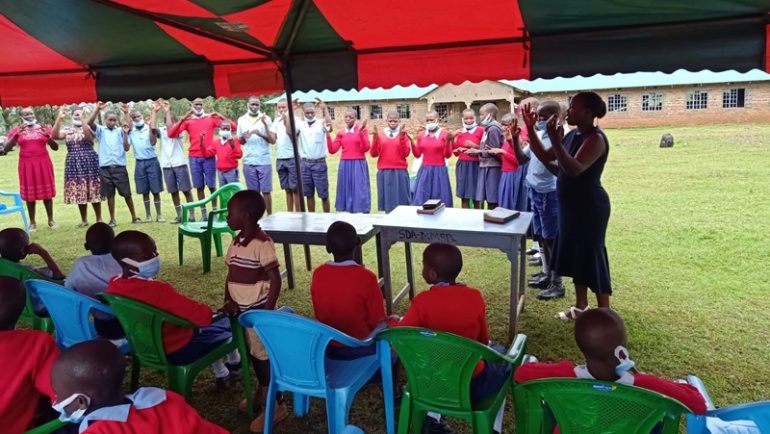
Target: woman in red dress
[(35, 167)]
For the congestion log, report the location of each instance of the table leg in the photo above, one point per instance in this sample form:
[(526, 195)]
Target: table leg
[(384, 259), (523, 266), (308, 261), (378, 244), (409, 269), (289, 265), (513, 315)]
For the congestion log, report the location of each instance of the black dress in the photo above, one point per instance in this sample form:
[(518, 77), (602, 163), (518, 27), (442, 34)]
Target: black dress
[(584, 210)]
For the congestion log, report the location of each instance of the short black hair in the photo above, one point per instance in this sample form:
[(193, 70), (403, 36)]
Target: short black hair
[(99, 238), (550, 106), (13, 298), (445, 259), (127, 244), (598, 332), (95, 367), (341, 238), (249, 201), (12, 241)]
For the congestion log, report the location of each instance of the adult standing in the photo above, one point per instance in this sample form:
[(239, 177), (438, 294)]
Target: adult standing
[(584, 206), (36, 177), (255, 133), (313, 137), (284, 158), (81, 166)]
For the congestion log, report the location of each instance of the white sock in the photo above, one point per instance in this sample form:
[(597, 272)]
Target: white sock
[(536, 245), (435, 416), (499, 419), (233, 357), (220, 370)]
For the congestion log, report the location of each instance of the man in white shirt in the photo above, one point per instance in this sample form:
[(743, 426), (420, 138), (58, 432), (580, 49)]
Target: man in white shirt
[(254, 132), (284, 162), (313, 139)]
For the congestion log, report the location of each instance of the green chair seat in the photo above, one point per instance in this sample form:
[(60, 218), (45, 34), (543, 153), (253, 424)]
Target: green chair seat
[(14, 269)]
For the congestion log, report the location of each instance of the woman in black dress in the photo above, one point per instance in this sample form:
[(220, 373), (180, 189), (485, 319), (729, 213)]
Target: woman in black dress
[(584, 206)]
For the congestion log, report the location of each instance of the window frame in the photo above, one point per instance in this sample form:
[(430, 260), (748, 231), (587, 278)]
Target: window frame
[(699, 103), (616, 106), (443, 111), (738, 101), (647, 106), (372, 114), (404, 111)]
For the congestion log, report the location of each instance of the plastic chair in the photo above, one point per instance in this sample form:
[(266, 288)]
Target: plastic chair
[(297, 347), (48, 427), (350, 429), (18, 206), (592, 406), (757, 412), (70, 312), (439, 367), (143, 325), (206, 230), (14, 269)]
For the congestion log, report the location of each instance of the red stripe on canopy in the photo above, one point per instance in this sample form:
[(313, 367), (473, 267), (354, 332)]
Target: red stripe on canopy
[(247, 79), (264, 20), (492, 62), (22, 52), (182, 8), (213, 50), (54, 89)]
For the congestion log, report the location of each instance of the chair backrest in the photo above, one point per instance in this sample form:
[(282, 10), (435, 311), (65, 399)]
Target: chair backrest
[(14, 269), (144, 328), (16, 197), (592, 407), (296, 347), (438, 365), (69, 311), (224, 193)]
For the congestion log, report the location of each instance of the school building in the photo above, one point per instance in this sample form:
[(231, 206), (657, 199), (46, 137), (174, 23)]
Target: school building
[(633, 100)]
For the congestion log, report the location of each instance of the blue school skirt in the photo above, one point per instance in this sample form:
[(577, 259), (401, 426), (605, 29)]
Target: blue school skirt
[(467, 178), (521, 198), (432, 183), (508, 189), (354, 193), (392, 189)]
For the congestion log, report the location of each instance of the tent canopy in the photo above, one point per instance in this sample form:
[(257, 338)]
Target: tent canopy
[(85, 50)]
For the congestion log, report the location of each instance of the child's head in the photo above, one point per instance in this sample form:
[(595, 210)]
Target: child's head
[(341, 239), (99, 239), (393, 119), (137, 118), (111, 119), (86, 377), (545, 110), (441, 263), (351, 115), (137, 254), (13, 244), (13, 297), (245, 209), (309, 110), (600, 334), (531, 101), (488, 113), (507, 119), (469, 117), (225, 130)]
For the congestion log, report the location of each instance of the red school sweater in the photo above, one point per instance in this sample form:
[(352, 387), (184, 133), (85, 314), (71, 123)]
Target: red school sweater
[(510, 163), (228, 156), (474, 137), (391, 153), (194, 126), (434, 150), (354, 145)]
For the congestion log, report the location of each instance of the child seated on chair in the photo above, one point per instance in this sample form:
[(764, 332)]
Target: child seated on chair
[(15, 247), (91, 275), (88, 381), (139, 260), (601, 336), (253, 282), (26, 357), (456, 308)]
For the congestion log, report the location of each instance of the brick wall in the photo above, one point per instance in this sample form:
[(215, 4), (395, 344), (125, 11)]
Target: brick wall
[(418, 110), (756, 106)]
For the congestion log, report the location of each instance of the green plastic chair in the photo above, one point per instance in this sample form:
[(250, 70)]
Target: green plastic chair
[(439, 367), (48, 427), (14, 269), (143, 325), (592, 407), (214, 227)]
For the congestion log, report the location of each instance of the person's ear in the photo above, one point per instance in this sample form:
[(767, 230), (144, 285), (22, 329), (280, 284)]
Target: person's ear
[(85, 245), (328, 249)]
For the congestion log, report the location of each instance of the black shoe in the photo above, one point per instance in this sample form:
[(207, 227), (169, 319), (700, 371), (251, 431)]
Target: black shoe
[(431, 426), (535, 261), (553, 292), (234, 375), (536, 277), (542, 282)]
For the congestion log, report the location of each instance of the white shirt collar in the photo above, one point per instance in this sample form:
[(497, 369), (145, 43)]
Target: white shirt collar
[(581, 372)]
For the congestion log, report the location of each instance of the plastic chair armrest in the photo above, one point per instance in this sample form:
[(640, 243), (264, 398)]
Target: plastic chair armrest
[(101, 307), (213, 215), (698, 384), (373, 335), (529, 358), (516, 351)]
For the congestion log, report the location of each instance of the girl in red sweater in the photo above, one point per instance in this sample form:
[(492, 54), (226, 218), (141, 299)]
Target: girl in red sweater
[(435, 144), (391, 148), (467, 169), (353, 191), (509, 180)]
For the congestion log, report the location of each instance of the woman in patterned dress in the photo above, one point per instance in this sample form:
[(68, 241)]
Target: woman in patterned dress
[(81, 167), (36, 177)]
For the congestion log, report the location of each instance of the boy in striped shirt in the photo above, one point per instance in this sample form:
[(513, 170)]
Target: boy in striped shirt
[(253, 282)]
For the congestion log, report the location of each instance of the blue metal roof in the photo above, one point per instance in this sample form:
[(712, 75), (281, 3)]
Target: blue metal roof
[(639, 79), (366, 94)]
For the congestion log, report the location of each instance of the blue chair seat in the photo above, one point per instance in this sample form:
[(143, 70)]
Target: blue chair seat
[(757, 412)]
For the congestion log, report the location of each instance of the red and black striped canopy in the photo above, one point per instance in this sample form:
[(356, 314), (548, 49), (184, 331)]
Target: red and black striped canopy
[(54, 51)]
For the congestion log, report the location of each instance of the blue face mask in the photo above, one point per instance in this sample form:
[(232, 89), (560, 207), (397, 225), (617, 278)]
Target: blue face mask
[(75, 417), (626, 363), (431, 126), (541, 125), (139, 124), (147, 269), (77, 123), (487, 120)]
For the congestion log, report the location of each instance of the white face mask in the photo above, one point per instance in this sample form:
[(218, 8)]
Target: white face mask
[(470, 127), (77, 123), (225, 135), (30, 122), (76, 416), (147, 269), (254, 113), (198, 113), (626, 363), (431, 126)]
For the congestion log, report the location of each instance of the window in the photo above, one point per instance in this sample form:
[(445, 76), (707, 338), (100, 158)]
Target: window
[(331, 112), (652, 102), (697, 100), (404, 111), (357, 109), (617, 103), (734, 98), (375, 111), (442, 111)]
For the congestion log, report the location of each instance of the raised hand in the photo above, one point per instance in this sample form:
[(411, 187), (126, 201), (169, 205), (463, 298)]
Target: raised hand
[(166, 105), (363, 124), (101, 105), (514, 128), (44, 131), (187, 115), (124, 108), (203, 134), (247, 134), (62, 113), (156, 106), (319, 103), (216, 115), (126, 129), (264, 119), (554, 131), (529, 115), (375, 130)]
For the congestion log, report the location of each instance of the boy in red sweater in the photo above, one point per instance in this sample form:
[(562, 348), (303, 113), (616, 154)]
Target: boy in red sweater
[(391, 147), (26, 357), (138, 257), (455, 308), (228, 152), (88, 380), (601, 336)]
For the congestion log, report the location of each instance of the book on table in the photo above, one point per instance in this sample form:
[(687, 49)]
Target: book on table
[(500, 215), (431, 207)]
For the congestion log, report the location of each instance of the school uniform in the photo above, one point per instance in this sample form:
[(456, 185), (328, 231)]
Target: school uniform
[(488, 185), (284, 158), (148, 410), (203, 162), (174, 164), (89, 276), (26, 357), (147, 176), (354, 192), (313, 150), (391, 151), (227, 160), (112, 162), (467, 168), (183, 345), (432, 178), (509, 179), (257, 156), (542, 194)]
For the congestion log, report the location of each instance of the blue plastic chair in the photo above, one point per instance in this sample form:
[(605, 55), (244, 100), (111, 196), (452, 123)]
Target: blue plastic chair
[(758, 412), (70, 312), (350, 429), (297, 347), (18, 206)]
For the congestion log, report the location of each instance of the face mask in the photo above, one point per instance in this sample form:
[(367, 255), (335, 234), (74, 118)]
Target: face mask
[(253, 113), (225, 135), (77, 415), (471, 126), (541, 125), (147, 269), (309, 120), (77, 123), (431, 126), (30, 122), (625, 361), (487, 120), (198, 113), (139, 124)]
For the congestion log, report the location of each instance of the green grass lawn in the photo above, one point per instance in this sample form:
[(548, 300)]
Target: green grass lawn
[(687, 241)]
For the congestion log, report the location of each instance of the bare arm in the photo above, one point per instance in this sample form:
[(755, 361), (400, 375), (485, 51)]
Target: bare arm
[(50, 141), (56, 131), (92, 119), (154, 123), (274, 276), (271, 136), (37, 249), (590, 151)]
